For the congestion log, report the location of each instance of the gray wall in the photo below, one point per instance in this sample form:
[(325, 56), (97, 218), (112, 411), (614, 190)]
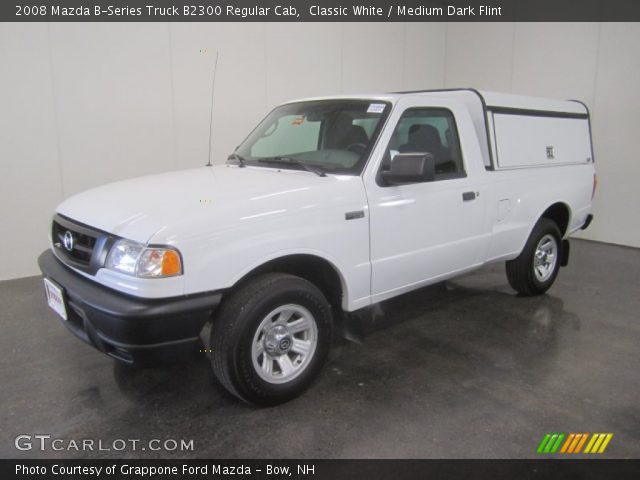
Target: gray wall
[(86, 104)]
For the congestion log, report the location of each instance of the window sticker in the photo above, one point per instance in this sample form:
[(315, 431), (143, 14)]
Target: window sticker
[(376, 108), (298, 121)]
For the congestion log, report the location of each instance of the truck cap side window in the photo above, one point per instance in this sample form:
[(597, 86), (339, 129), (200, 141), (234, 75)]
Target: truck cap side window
[(428, 131), (335, 136)]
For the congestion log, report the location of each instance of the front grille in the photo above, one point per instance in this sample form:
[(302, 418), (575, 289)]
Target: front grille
[(77, 245), (81, 244)]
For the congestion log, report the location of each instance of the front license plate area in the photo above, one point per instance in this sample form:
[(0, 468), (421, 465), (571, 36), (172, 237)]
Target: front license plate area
[(55, 298)]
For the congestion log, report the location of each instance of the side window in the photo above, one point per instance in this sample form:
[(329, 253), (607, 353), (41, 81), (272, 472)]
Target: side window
[(428, 130)]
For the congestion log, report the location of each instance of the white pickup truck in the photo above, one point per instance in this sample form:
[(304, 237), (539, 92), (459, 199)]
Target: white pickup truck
[(329, 205)]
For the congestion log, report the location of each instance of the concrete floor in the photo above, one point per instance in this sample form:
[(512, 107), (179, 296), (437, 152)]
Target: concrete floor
[(462, 369)]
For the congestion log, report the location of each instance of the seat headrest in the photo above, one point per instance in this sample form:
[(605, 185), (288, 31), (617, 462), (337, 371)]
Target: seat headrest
[(342, 132), (421, 134)]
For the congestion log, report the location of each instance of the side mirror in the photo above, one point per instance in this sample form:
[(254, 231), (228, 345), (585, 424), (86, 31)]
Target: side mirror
[(410, 168)]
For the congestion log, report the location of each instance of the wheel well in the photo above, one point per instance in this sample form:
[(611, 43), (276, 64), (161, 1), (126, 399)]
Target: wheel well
[(315, 269), (559, 213)]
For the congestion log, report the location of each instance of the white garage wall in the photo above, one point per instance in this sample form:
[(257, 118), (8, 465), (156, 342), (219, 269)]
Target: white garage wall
[(596, 63), (86, 104), (30, 166)]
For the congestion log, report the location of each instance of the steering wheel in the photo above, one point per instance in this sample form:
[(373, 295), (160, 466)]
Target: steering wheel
[(354, 147)]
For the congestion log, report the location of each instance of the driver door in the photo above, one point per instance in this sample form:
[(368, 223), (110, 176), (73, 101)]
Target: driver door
[(424, 232)]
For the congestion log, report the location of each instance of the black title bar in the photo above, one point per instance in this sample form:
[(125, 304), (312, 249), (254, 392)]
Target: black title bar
[(318, 10)]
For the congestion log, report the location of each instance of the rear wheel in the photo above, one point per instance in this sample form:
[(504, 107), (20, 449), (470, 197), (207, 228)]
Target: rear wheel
[(535, 269), (271, 338)]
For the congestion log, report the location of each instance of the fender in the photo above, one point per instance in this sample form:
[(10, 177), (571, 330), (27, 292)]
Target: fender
[(564, 234), (347, 302)]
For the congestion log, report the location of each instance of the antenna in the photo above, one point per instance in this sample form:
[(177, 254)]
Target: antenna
[(213, 89)]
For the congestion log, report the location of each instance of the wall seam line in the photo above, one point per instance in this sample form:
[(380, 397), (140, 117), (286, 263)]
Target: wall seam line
[(265, 35), (341, 57), (595, 76), (404, 56), (56, 121), (513, 55), (445, 56), (175, 161)]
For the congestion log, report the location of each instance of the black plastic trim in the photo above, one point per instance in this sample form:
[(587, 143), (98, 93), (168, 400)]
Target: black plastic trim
[(593, 158), (525, 112), (468, 196), (564, 253), (495, 139), (354, 215), (129, 328), (587, 222)]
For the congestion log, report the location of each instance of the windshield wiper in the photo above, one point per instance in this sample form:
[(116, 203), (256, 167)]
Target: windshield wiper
[(294, 161), (239, 158)]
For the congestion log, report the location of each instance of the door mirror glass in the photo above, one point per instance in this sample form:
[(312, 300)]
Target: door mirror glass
[(410, 168)]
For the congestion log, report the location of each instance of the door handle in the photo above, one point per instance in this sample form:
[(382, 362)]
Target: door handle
[(468, 196)]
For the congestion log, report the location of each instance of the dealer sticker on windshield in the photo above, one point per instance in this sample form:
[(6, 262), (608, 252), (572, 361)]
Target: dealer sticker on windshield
[(376, 108), (55, 298)]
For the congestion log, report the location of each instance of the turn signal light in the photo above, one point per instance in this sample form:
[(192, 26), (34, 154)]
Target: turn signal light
[(171, 263)]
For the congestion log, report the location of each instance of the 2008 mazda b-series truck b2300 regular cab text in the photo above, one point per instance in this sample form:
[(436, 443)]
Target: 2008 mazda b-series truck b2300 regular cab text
[(329, 205)]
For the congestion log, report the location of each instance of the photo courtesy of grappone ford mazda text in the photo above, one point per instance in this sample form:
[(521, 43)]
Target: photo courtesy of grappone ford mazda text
[(329, 205)]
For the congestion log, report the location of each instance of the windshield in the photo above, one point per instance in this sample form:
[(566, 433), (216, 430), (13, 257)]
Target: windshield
[(335, 136)]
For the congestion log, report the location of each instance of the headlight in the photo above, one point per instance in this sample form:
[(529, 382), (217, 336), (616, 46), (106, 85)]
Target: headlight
[(124, 256), (135, 259)]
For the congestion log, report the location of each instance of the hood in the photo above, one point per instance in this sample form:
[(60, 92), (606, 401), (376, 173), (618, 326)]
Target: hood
[(144, 208)]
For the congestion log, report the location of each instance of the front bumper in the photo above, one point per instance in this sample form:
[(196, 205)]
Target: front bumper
[(130, 329)]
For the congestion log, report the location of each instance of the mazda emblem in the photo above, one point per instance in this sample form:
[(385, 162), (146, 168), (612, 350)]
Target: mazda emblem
[(68, 240)]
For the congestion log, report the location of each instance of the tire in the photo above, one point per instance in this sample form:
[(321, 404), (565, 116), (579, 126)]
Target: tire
[(528, 276), (259, 325)]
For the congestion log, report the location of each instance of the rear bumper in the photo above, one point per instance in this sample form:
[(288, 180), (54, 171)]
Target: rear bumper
[(133, 330)]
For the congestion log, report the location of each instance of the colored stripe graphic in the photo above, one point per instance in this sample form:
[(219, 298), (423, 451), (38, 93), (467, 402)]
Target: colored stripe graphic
[(555, 447), (581, 443), (567, 442), (552, 442), (605, 443), (578, 440), (598, 442), (543, 443)]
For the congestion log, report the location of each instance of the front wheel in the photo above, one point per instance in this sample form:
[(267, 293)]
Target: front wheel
[(535, 269), (271, 338)]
